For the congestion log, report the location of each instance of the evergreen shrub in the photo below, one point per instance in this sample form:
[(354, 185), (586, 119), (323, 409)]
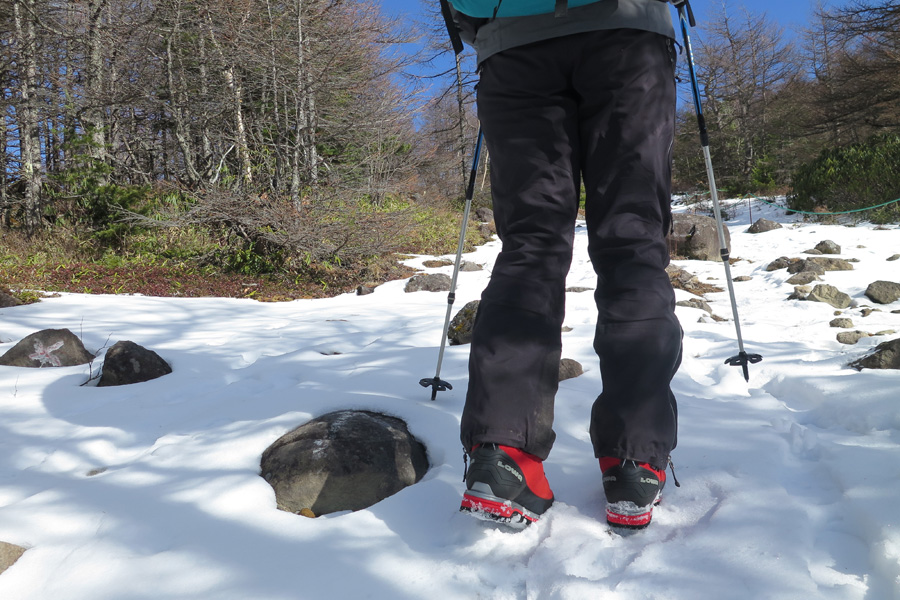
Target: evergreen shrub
[(851, 178)]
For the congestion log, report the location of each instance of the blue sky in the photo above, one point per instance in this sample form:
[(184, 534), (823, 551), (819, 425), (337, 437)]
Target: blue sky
[(788, 13)]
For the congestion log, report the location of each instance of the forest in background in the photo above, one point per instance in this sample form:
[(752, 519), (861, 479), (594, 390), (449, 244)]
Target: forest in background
[(291, 136)]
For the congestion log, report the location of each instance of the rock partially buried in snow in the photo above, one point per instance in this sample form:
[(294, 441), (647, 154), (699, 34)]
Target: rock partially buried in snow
[(851, 337), (47, 348), (432, 282), (885, 356), (569, 369), (763, 225), (830, 295), (9, 554), (697, 237), (344, 460), (828, 247), (126, 363)]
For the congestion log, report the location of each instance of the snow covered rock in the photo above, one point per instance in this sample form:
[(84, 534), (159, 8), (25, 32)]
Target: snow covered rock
[(886, 356), (883, 292), (9, 554), (127, 362), (344, 460), (47, 348), (432, 282), (696, 237)]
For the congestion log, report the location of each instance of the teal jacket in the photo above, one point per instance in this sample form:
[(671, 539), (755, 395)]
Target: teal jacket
[(517, 22)]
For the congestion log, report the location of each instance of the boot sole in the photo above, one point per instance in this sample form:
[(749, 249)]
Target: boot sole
[(497, 510), (628, 515)]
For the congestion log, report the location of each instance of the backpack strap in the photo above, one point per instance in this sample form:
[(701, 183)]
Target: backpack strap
[(455, 40)]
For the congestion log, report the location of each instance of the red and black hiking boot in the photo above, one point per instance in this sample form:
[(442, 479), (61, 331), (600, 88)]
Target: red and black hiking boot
[(632, 490), (506, 485)]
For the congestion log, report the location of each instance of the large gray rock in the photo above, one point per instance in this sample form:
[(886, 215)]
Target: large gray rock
[(127, 362), (763, 225), (47, 348), (885, 356), (883, 292), (432, 282), (696, 237), (344, 460), (830, 295), (460, 330), (9, 554)]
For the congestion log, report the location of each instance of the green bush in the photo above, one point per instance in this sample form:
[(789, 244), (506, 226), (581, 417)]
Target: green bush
[(851, 178)]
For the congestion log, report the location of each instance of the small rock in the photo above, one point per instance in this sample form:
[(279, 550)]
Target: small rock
[(828, 247), (435, 264), (432, 282), (47, 348), (851, 337), (484, 215), (695, 303), (781, 262), (812, 251), (126, 363), (9, 554), (742, 278), (844, 323), (763, 225), (364, 290), (569, 369), (831, 264), (883, 292), (566, 329), (578, 290), (894, 257), (885, 356), (7, 300), (470, 267), (868, 311), (886, 332), (803, 278), (800, 292)]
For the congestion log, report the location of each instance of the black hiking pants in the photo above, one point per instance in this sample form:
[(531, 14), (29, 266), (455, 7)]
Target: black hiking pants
[(597, 107)]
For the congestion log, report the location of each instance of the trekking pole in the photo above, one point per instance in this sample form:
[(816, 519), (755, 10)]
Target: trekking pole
[(685, 15), (436, 383)]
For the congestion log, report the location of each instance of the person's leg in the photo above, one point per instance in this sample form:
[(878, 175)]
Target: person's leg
[(528, 116), (627, 90)]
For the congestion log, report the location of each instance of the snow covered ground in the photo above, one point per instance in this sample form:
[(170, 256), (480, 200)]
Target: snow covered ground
[(790, 483)]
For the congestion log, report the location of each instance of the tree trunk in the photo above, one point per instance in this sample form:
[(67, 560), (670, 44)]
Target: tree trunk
[(31, 170)]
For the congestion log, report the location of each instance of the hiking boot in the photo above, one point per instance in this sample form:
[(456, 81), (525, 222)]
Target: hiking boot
[(632, 490), (506, 485)]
